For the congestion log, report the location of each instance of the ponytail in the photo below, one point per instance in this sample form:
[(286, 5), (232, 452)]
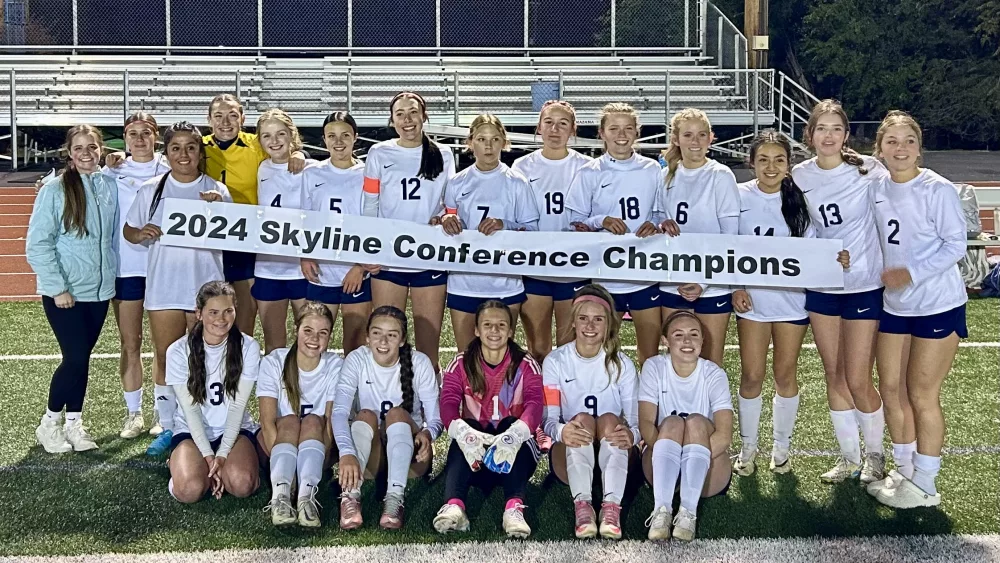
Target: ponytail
[(831, 106), (673, 154), (197, 373), (431, 161), (472, 363), (794, 208), (196, 363), (158, 194), (234, 361), (851, 157), (74, 217), (406, 376), (290, 376)]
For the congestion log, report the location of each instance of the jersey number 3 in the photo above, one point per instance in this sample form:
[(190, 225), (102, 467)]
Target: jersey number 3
[(215, 394)]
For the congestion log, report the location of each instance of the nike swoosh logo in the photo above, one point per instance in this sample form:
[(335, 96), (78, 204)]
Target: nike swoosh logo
[(532, 180), (575, 289), (654, 298), (569, 380), (466, 193), (883, 201), (122, 177), (863, 310), (744, 210), (262, 180), (806, 191), (436, 276), (723, 304), (356, 295), (604, 186), (319, 184), (384, 166)]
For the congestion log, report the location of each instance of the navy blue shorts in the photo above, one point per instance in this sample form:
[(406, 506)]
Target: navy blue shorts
[(130, 289), (937, 326), (264, 289), (337, 295), (470, 304), (178, 438), (238, 266), (425, 278), (702, 305), (558, 291), (863, 306), (646, 298)]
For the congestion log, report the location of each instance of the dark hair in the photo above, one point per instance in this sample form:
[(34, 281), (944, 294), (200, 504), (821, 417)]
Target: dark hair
[(168, 135), (290, 371), (341, 117), (196, 346), (431, 161), (74, 217), (472, 360), (824, 107), (793, 201), (405, 352), (142, 117)]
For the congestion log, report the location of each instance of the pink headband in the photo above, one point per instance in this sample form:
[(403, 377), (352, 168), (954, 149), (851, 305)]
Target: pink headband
[(592, 299)]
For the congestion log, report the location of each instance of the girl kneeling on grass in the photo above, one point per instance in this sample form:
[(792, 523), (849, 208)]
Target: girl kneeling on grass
[(491, 402), (295, 390), (212, 372), (397, 417), (686, 415)]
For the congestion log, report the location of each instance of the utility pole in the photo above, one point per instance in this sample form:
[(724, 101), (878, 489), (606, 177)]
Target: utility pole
[(755, 27)]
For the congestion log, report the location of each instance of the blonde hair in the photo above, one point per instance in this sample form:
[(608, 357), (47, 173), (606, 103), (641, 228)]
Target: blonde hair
[(483, 120), (892, 119), (280, 116), (557, 105), (833, 107), (614, 108), (612, 337), (673, 154)]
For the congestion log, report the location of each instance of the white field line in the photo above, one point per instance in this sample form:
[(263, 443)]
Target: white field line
[(450, 349), (815, 549)]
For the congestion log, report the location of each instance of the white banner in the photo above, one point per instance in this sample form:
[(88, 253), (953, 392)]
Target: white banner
[(709, 259)]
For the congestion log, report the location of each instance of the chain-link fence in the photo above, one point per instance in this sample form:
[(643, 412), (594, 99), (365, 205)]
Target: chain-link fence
[(327, 25)]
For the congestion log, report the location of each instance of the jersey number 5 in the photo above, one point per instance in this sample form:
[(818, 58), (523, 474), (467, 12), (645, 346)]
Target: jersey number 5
[(304, 410)]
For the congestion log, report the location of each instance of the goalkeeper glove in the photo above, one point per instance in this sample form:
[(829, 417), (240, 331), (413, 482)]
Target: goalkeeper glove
[(471, 441), (500, 456)]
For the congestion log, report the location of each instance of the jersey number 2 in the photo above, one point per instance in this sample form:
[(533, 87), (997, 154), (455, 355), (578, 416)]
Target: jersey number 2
[(895, 231)]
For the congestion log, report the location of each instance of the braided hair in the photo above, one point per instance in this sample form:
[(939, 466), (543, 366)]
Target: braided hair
[(405, 352)]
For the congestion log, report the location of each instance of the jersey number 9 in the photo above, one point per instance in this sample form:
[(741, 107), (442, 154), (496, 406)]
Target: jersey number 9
[(590, 402)]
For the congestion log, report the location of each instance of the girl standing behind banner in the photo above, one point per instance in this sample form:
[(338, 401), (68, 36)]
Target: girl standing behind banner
[(491, 404), (490, 197)]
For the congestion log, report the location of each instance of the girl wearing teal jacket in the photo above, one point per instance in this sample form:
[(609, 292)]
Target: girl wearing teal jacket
[(71, 248)]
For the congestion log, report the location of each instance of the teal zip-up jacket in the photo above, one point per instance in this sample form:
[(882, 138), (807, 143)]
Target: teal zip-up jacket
[(83, 265)]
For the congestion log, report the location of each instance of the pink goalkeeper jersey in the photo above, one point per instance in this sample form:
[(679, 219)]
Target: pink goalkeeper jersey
[(520, 398)]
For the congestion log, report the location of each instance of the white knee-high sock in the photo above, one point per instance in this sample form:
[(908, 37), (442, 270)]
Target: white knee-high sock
[(925, 472), (845, 427), (902, 454), (750, 421), (872, 427), (784, 411), (282, 468), (362, 434), (696, 460), (133, 400), (399, 450), (666, 468), (580, 472), (310, 465), (614, 471), (166, 405)]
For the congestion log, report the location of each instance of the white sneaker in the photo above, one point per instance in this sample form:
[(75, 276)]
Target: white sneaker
[(308, 508), (781, 462), (451, 518), (155, 429), (133, 426), (282, 512), (77, 435), (872, 468), (891, 481), (684, 525), (659, 524), (842, 471), (51, 436), (513, 522), (745, 463), (907, 495)]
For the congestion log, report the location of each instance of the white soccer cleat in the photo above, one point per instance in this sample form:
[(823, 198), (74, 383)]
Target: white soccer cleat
[(891, 481), (907, 495), (155, 429), (451, 518), (842, 471), (51, 436), (745, 463), (872, 468), (308, 509), (659, 524), (586, 520), (77, 435), (513, 522), (684, 525), (133, 426), (781, 462), (282, 512)]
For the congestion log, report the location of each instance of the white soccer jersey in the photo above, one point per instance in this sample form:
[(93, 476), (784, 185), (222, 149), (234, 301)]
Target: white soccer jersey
[(704, 392), (364, 384), (841, 207), (330, 189), (215, 408), (702, 200), (626, 189), (277, 187), (129, 176), (501, 194), (175, 273), (760, 215), (316, 387), (922, 228), (574, 385), (550, 181)]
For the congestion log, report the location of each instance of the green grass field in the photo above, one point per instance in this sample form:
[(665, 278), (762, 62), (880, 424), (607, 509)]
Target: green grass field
[(115, 499)]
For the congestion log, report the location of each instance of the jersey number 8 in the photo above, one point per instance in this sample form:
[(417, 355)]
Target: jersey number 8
[(384, 409)]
